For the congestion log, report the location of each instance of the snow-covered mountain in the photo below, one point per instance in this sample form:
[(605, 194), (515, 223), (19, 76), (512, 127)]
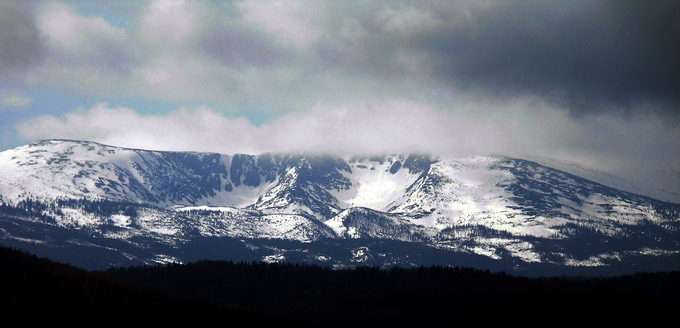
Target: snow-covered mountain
[(113, 206), (666, 188)]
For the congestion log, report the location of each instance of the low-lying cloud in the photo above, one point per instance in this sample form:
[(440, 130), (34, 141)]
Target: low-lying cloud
[(532, 129)]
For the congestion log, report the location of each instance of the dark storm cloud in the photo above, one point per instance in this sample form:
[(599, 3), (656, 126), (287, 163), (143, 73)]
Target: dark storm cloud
[(20, 43), (587, 56)]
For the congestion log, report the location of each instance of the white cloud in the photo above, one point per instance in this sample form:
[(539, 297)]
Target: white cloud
[(170, 22), (14, 99), (170, 53), (70, 34), (199, 129), (379, 127)]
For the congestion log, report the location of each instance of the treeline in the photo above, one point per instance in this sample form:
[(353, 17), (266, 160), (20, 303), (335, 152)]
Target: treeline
[(41, 210)]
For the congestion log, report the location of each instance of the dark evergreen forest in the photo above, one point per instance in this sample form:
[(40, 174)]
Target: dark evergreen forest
[(305, 295)]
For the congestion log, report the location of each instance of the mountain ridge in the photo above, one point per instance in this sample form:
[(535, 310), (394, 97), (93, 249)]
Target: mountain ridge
[(499, 207)]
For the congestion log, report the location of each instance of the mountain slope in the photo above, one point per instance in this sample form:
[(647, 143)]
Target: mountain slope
[(644, 182), (160, 204)]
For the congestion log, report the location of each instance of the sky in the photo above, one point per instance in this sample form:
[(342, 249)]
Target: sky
[(593, 82)]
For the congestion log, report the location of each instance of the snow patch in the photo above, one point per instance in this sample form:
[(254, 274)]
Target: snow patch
[(275, 258)]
